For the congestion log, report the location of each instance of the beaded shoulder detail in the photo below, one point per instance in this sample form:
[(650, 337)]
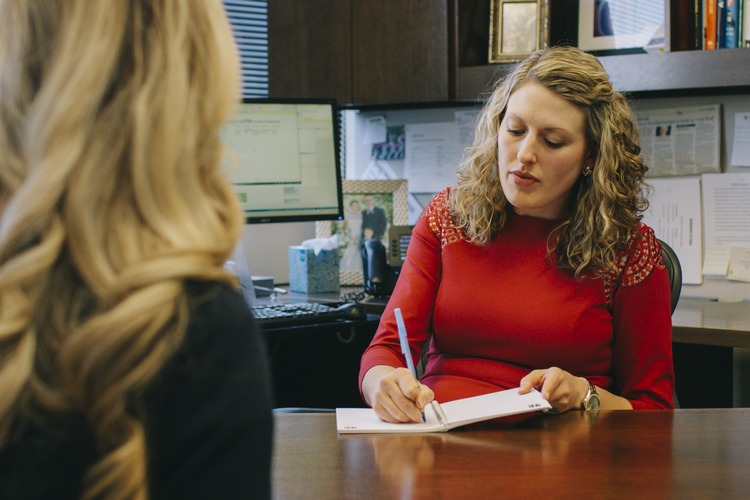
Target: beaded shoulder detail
[(441, 221), (636, 265), (645, 257)]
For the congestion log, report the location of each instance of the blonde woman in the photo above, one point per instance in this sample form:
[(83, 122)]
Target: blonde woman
[(129, 364), (535, 271)]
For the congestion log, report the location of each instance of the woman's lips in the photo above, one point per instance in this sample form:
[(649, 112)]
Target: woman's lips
[(522, 179)]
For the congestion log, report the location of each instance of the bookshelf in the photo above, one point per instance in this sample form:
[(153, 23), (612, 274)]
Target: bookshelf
[(676, 73), (698, 72)]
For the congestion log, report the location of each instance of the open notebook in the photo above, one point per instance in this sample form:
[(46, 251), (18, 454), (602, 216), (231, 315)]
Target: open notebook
[(442, 417)]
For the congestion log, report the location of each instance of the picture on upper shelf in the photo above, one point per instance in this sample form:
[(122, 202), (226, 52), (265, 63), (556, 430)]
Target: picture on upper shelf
[(622, 26), (517, 28)]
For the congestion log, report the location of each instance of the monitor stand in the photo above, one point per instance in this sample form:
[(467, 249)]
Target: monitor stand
[(242, 269)]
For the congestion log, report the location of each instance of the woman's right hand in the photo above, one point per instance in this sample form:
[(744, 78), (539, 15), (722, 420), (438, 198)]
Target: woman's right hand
[(395, 395)]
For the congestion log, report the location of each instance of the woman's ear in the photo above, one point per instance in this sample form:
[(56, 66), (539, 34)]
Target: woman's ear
[(588, 169)]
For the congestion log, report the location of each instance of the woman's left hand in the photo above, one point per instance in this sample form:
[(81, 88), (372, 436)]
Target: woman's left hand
[(561, 389)]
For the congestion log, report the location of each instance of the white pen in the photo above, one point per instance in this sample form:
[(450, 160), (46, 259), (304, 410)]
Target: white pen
[(404, 340)]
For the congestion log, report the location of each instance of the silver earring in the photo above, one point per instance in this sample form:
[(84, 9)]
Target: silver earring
[(588, 171)]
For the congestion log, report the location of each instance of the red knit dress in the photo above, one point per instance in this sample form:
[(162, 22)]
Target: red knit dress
[(494, 313)]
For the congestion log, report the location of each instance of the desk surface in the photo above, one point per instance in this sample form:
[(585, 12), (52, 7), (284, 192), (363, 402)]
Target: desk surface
[(698, 321), (633, 454)]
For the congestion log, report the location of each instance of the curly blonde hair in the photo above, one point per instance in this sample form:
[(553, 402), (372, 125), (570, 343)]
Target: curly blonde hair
[(111, 199), (607, 206)]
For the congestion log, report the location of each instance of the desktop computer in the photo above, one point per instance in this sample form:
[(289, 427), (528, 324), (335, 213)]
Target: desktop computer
[(284, 165)]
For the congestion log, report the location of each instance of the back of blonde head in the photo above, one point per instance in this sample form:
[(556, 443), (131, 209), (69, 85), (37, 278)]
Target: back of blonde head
[(607, 205), (111, 197)]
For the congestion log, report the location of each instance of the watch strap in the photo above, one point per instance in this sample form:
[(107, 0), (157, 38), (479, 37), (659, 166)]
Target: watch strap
[(590, 394)]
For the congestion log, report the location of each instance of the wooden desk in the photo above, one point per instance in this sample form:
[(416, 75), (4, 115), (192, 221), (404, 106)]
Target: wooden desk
[(711, 323), (617, 454), (705, 334), (316, 365)]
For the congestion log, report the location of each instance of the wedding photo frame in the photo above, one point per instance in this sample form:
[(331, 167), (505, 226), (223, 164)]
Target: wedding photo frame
[(607, 27), (387, 197), (517, 28)]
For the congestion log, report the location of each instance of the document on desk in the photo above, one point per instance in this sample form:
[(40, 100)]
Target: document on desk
[(442, 417)]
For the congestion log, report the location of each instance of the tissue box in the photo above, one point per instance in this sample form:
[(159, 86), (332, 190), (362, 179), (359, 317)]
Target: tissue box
[(310, 273)]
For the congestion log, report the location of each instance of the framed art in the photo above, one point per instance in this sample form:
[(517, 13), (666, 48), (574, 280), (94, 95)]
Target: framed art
[(517, 28), (371, 207), (622, 26)]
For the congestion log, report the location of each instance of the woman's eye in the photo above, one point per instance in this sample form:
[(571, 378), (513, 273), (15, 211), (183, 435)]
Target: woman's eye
[(553, 144), (515, 132)]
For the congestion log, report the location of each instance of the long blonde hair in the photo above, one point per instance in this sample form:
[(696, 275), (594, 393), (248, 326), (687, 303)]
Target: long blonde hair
[(111, 198), (607, 205)]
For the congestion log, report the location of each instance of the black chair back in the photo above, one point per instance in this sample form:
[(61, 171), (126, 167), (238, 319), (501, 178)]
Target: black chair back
[(674, 270)]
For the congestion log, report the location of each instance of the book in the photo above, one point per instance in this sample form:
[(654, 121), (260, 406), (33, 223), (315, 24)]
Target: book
[(684, 25), (697, 29), (442, 417), (729, 24), (709, 25)]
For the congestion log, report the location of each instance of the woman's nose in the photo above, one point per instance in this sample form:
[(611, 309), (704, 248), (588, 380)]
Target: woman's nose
[(526, 152)]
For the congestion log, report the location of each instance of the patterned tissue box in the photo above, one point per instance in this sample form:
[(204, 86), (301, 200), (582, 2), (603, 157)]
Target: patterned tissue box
[(310, 273)]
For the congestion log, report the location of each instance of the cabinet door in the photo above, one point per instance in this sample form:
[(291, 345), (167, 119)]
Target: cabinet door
[(400, 50), (309, 49), (359, 51)]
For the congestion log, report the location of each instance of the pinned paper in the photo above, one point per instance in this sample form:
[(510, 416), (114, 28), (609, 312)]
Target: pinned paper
[(739, 264), (716, 261), (375, 130), (678, 223), (741, 147), (726, 209)]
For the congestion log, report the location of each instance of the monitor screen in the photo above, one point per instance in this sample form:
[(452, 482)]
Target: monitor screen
[(284, 160)]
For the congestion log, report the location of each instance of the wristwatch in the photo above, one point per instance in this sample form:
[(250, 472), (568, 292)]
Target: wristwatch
[(591, 400)]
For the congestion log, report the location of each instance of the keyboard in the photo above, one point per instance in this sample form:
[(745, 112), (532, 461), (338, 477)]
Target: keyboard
[(304, 313)]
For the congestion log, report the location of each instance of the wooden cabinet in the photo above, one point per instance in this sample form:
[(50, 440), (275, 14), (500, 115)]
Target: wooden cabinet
[(309, 49), (399, 51), (359, 51)]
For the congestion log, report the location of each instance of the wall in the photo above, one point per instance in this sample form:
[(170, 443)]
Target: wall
[(266, 247)]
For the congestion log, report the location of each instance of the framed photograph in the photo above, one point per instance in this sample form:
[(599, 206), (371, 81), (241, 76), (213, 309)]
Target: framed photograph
[(370, 209), (622, 26), (517, 28)]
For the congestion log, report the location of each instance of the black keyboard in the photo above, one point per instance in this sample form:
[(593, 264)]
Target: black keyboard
[(304, 313)]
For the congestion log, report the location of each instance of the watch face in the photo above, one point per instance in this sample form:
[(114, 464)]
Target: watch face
[(593, 403)]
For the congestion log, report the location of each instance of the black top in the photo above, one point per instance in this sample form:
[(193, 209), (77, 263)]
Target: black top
[(209, 424)]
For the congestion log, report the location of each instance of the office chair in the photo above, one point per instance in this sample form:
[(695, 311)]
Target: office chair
[(674, 270)]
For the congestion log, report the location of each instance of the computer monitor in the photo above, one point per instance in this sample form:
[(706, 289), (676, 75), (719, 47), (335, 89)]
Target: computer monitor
[(284, 159)]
